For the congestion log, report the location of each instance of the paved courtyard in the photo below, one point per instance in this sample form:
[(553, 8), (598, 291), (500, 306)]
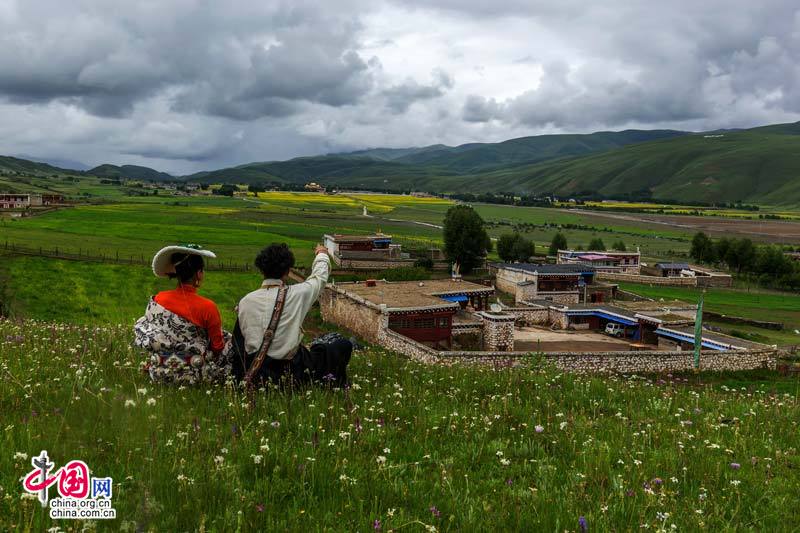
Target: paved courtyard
[(546, 340)]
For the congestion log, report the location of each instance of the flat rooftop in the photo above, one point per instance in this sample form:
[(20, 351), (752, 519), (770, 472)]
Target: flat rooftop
[(413, 294), (719, 338), (547, 268), (357, 238)]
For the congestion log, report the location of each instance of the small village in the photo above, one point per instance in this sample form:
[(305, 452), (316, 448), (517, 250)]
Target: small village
[(570, 310)]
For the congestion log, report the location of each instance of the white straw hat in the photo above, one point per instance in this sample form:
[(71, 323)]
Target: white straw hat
[(162, 261)]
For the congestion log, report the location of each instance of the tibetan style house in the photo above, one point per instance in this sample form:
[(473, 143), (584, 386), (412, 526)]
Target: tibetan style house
[(424, 311)]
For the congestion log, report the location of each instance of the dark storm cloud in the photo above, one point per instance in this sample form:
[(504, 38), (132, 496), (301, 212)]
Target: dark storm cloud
[(237, 59), (647, 62), (191, 84), (400, 97)]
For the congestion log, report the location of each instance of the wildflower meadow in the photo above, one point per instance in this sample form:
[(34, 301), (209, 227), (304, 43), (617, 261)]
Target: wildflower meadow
[(405, 447)]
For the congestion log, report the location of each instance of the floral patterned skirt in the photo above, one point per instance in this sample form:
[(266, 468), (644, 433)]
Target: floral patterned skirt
[(177, 350)]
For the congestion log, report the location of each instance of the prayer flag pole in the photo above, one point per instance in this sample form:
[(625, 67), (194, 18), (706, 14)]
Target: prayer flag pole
[(698, 332)]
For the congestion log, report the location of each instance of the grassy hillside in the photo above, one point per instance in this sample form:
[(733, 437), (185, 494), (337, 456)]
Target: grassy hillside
[(386, 167), (131, 172), (323, 169), (407, 447), (477, 157), (760, 165)]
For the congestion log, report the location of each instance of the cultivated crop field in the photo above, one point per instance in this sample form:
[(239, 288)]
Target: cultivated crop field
[(770, 306), (407, 447)]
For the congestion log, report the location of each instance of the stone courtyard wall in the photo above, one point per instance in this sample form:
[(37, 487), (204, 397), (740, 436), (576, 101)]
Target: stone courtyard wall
[(645, 362), (533, 315), (373, 264), (498, 331), (650, 280), (363, 318), (558, 318)]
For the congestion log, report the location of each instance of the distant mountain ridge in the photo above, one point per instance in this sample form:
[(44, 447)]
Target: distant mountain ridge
[(131, 172), (757, 165), (386, 167), (479, 157)]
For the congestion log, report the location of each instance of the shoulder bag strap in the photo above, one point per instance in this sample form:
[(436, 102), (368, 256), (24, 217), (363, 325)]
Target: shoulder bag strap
[(269, 334)]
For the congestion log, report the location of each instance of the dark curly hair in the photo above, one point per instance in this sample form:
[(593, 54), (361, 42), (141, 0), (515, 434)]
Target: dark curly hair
[(186, 266), (275, 260)]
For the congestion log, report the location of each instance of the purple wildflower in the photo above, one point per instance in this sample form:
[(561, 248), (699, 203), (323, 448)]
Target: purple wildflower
[(376, 525), (435, 511), (658, 481), (538, 429), (736, 466), (582, 523), (260, 507), (509, 482), (328, 377)]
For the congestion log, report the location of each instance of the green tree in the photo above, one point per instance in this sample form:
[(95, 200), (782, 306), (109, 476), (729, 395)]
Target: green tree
[(597, 244), (505, 246), (523, 249), (619, 246), (465, 239), (559, 242), (771, 261), (702, 249), (514, 247), (741, 255)]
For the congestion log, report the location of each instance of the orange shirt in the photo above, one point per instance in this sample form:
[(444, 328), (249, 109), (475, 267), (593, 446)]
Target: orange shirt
[(185, 302)]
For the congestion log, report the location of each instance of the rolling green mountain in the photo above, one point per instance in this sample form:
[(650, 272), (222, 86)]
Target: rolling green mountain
[(478, 157), (14, 165), (326, 169), (131, 172), (389, 167), (759, 165)]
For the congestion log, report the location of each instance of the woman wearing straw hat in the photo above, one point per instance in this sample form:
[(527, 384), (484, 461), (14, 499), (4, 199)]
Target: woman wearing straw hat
[(181, 330)]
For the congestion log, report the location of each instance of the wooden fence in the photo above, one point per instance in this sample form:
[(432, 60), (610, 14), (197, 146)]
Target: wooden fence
[(112, 258)]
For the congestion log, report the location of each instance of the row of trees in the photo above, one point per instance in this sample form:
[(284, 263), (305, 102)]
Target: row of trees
[(767, 264), (466, 241), (514, 247)]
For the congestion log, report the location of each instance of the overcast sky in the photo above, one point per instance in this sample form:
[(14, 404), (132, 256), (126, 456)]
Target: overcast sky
[(186, 85)]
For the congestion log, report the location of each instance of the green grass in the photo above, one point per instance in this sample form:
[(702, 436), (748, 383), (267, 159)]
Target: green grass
[(754, 304), (97, 293), (409, 445)]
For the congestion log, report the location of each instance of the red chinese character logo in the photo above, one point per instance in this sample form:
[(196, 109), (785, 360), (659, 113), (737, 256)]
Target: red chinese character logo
[(74, 481)]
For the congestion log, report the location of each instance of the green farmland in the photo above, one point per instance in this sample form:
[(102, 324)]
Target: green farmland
[(754, 304), (135, 227)]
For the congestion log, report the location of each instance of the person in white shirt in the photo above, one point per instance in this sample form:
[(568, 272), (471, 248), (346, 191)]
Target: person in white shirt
[(286, 356)]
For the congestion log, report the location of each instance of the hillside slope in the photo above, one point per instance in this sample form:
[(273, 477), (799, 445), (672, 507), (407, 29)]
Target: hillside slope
[(131, 172), (14, 165), (760, 165), (324, 169), (479, 157)]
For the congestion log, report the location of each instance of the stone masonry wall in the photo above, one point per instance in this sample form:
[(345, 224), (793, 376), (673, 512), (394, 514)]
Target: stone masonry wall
[(651, 280), (558, 318), (361, 317), (366, 264), (529, 315), (588, 363), (498, 331), (506, 280)]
